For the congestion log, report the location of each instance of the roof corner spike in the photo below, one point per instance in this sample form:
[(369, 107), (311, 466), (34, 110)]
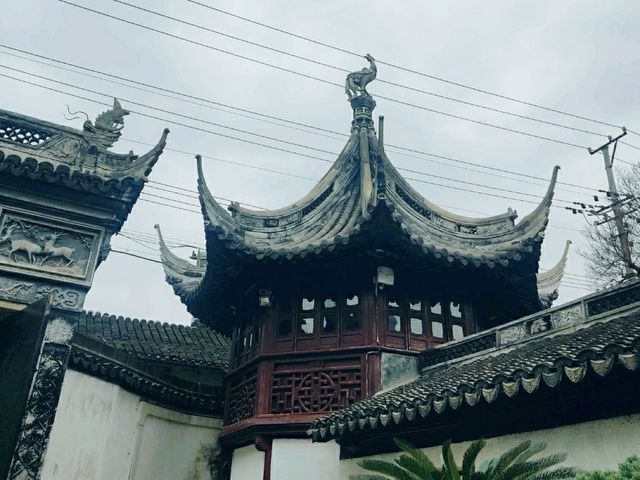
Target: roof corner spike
[(548, 197), (549, 282), (381, 132)]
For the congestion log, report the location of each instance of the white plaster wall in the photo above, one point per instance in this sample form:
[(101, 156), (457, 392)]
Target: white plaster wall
[(247, 463), (92, 432), (300, 459), (172, 445), (598, 445), (102, 432)]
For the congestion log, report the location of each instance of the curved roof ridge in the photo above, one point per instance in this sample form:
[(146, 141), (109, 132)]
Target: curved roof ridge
[(549, 281), (210, 206), (142, 165), (542, 210), (311, 196), (183, 276), (510, 215)]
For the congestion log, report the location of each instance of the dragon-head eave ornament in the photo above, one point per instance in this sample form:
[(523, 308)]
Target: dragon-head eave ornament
[(107, 127)]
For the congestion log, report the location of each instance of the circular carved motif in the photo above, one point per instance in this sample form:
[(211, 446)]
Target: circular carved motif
[(315, 392)]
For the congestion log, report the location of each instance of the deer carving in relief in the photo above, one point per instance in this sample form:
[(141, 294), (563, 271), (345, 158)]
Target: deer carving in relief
[(61, 252), (20, 245)]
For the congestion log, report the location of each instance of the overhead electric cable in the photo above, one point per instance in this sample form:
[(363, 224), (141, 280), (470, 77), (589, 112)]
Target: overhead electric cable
[(273, 138), (344, 70), (295, 72), (406, 69), (390, 146)]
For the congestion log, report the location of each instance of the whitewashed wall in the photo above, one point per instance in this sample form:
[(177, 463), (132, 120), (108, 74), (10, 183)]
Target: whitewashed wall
[(301, 459), (104, 432), (247, 463), (598, 445)]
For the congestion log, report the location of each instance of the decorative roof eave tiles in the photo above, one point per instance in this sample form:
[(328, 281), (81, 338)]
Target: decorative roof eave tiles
[(549, 281), (521, 359), (155, 341), (62, 155)]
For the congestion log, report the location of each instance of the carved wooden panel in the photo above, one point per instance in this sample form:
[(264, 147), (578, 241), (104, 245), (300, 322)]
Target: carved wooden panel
[(242, 398), (47, 247), (311, 387)]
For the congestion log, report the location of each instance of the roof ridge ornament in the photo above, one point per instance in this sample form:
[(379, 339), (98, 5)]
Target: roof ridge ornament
[(361, 101), (105, 130)]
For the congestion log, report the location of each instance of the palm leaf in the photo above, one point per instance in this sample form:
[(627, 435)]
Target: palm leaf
[(417, 468), (449, 462), (367, 477), (507, 458), (387, 468), (469, 458), (419, 455), (558, 474)]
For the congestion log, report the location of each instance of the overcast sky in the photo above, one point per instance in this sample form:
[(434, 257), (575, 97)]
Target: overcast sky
[(575, 56)]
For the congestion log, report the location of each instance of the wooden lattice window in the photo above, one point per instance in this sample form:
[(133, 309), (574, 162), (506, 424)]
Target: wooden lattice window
[(417, 322)]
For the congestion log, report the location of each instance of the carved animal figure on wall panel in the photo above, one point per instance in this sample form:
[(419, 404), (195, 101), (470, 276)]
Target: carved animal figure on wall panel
[(20, 245), (61, 252)]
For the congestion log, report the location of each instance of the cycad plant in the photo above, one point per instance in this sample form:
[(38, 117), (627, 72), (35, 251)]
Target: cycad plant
[(515, 464)]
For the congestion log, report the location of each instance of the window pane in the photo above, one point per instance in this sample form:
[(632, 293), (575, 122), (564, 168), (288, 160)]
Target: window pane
[(328, 324), (395, 325), (284, 327), (435, 308), (437, 330), (416, 326), (393, 303), (308, 304), (458, 332), (329, 303), (456, 309), (415, 305), (352, 321), (353, 301), (306, 326)]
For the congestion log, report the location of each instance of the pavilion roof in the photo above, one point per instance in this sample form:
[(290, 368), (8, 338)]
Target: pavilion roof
[(362, 201)]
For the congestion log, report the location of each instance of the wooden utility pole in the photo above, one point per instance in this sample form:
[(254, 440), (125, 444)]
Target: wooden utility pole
[(616, 207)]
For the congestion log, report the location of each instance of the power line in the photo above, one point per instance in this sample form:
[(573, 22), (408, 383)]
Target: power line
[(273, 138), (340, 69), (406, 69), (405, 149), (295, 72)]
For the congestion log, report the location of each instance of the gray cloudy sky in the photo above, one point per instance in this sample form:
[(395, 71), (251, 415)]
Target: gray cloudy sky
[(576, 56)]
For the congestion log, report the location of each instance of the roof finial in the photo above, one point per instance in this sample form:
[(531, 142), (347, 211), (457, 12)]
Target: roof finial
[(356, 89), (357, 82)]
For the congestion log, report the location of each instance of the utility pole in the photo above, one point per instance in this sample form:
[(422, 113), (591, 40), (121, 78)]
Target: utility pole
[(616, 206)]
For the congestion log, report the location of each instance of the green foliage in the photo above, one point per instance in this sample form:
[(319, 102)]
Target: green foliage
[(628, 470), (514, 464)]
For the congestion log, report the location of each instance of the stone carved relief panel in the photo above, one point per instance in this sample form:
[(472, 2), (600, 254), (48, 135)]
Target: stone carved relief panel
[(23, 291), (47, 248), (40, 412)]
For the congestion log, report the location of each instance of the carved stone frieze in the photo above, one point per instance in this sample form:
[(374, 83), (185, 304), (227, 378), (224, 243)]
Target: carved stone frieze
[(47, 248), (567, 316), (65, 149), (40, 413), (24, 291), (513, 333)]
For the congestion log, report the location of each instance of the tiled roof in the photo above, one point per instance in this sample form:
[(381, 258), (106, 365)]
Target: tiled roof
[(163, 342), (599, 344)]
